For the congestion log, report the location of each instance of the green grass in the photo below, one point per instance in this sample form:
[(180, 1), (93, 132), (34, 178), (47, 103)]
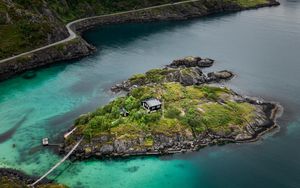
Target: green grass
[(218, 117), (152, 76), (17, 38), (190, 108), (11, 40), (149, 142), (248, 3), (5, 182), (3, 7)]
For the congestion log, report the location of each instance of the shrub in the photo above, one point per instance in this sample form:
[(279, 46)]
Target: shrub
[(172, 113), (138, 79), (151, 118), (136, 115), (100, 123), (194, 120), (210, 92), (82, 120), (131, 103)]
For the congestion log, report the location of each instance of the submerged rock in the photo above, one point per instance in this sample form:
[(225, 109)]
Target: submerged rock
[(29, 75)]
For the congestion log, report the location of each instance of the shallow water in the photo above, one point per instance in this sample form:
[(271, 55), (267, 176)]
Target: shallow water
[(260, 46)]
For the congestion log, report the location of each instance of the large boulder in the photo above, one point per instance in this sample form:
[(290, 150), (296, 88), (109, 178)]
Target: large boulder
[(220, 75), (106, 149), (243, 137), (192, 76), (192, 61)]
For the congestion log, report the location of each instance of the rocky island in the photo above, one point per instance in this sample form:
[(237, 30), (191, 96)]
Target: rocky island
[(170, 110)]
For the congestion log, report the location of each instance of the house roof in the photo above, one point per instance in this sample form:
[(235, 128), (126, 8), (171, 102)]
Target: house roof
[(152, 102)]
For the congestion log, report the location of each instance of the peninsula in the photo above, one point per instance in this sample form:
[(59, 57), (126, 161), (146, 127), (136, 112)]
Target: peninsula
[(171, 110)]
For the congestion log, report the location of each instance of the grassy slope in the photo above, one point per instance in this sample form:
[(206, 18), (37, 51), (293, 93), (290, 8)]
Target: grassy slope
[(23, 29), (193, 108), (82, 8), (248, 3), (29, 28)]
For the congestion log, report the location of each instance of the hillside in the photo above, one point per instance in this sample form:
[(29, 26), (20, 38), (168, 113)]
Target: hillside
[(27, 24)]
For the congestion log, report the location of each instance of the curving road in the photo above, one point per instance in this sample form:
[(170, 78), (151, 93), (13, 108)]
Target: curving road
[(73, 35)]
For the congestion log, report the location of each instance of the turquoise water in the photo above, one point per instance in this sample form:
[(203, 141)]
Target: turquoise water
[(261, 46)]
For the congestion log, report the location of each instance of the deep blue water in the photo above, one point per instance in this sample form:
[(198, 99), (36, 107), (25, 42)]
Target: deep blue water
[(261, 46)]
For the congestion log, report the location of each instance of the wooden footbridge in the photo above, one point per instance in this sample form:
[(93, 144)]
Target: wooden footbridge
[(57, 164)]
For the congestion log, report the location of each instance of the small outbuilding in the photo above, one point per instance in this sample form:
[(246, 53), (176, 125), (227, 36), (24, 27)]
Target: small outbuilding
[(45, 141), (124, 112), (152, 104)]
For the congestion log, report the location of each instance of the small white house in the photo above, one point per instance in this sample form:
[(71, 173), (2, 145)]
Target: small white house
[(152, 104), (45, 141)]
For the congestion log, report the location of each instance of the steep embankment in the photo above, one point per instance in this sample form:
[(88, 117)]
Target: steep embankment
[(24, 28)]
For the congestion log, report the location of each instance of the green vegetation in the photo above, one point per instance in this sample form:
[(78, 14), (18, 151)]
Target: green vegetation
[(250, 3), (23, 28), (152, 76), (27, 24), (6, 182), (23, 36), (193, 108), (82, 8)]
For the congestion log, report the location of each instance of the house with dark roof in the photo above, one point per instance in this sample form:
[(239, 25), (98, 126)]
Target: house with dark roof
[(152, 104)]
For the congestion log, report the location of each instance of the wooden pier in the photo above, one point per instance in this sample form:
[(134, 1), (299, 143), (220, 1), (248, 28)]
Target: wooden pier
[(57, 164)]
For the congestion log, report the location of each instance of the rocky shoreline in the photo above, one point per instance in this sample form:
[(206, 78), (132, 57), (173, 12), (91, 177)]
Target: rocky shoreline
[(187, 71), (180, 146), (78, 47), (106, 146), (15, 178), (74, 49)]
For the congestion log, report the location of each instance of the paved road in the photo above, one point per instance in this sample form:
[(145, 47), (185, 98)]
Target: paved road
[(73, 35)]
